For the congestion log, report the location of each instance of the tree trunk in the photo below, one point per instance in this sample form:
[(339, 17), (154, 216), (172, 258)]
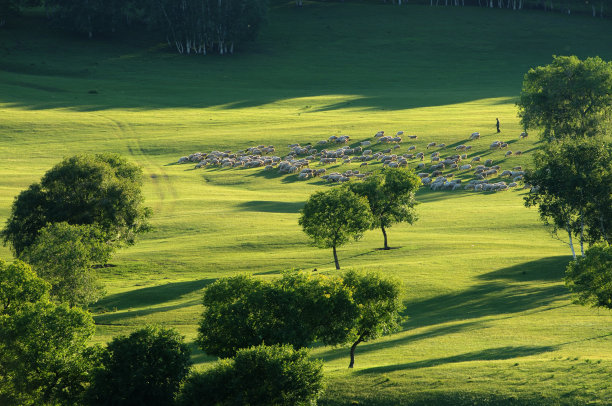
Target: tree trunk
[(384, 235), (336, 258), (571, 243), (603, 230), (360, 339), (581, 235)]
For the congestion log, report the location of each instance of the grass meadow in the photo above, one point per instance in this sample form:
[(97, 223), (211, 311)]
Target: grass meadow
[(487, 319)]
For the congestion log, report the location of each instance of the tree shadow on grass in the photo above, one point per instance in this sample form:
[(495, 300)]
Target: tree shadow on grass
[(117, 317), (338, 353), (544, 269), (152, 295), (488, 299), (270, 206), (490, 354)]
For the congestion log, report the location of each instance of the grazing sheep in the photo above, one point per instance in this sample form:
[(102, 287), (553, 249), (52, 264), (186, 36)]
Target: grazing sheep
[(495, 144), (431, 144), (410, 148), (460, 147), (412, 137), (523, 135), (488, 162), (365, 143), (421, 165), (379, 134), (508, 153), (464, 156), (476, 159), (364, 164), (442, 145), (465, 167), (475, 136), (399, 133), (367, 152), (517, 168), (517, 153)]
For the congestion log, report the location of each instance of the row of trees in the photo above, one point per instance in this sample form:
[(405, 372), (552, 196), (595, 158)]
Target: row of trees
[(190, 26), (331, 218)]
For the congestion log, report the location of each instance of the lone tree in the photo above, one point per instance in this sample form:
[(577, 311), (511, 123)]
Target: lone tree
[(589, 278), (102, 190), (333, 217), (64, 256), (569, 98), (379, 303), (390, 195)]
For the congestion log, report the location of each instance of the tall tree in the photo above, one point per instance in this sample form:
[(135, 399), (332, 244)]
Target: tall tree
[(569, 98), (102, 190), (331, 218), (390, 195)]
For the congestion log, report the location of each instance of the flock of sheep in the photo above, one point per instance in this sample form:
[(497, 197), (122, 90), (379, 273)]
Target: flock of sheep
[(335, 150)]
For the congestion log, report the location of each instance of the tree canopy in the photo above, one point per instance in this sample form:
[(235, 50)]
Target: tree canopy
[(572, 188), (64, 255), (144, 368), (332, 217), (569, 98), (43, 346), (102, 190), (297, 309), (257, 376), (589, 277), (390, 195), (378, 299)]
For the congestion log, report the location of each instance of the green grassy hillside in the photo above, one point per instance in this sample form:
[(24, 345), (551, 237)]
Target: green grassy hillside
[(488, 320)]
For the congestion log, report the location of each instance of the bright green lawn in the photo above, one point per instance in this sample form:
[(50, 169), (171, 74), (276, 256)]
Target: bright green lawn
[(488, 319)]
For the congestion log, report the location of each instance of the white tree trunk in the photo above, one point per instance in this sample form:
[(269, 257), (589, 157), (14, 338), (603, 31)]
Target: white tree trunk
[(571, 242)]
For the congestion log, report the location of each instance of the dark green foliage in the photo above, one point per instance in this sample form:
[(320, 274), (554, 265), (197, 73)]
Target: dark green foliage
[(390, 195), (19, 285), (332, 217), (144, 368), (8, 10), (102, 190), (64, 256), (379, 302), (589, 277), (297, 309), (258, 376), (569, 98), (42, 346)]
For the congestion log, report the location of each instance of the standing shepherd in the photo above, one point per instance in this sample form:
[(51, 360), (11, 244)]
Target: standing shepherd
[(497, 124)]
